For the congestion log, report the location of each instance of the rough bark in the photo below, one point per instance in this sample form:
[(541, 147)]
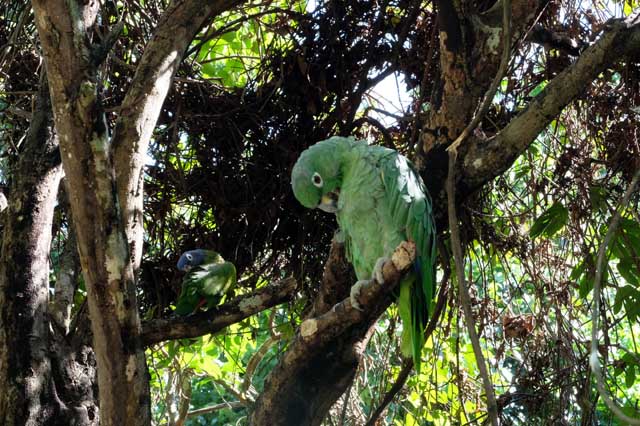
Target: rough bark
[(25, 368), (46, 379), (142, 104), (322, 360), (470, 53), (486, 159), (84, 145)]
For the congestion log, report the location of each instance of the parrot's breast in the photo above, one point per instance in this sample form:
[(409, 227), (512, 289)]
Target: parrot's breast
[(365, 218)]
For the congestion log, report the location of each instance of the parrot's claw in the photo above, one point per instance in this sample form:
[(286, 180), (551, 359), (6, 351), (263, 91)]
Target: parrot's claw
[(377, 269), (355, 293)]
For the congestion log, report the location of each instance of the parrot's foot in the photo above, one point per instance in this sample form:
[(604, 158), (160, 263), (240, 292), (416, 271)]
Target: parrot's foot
[(355, 293), (377, 269)]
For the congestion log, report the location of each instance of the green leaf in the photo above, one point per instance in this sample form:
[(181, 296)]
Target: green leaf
[(585, 286), (229, 37), (630, 376), (622, 294), (550, 222), (598, 196), (630, 358), (538, 89), (629, 271)]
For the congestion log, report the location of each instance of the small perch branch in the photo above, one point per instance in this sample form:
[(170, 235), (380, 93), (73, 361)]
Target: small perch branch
[(206, 410), (222, 316), (326, 327)]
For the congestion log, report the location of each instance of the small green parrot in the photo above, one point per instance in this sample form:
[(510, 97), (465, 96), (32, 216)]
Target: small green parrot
[(379, 201), (209, 277)]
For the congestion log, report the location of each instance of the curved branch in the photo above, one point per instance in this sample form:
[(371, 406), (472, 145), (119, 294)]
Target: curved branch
[(144, 99), (222, 316), (329, 340), (486, 159)]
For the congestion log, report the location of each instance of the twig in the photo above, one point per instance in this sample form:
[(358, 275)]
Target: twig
[(212, 408), (593, 358), (492, 406), (347, 394), (407, 365), (256, 359)]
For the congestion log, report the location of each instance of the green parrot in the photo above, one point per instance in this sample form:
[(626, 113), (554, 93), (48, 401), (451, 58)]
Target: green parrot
[(379, 201), (209, 277)]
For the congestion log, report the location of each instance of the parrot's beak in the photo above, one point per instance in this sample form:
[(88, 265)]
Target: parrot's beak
[(329, 202), (186, 268)]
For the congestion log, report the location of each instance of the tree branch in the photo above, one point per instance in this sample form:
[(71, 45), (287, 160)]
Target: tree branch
[(326, 327), (206, 410), (486, 159), (332, 339), (222, 316), (143, 102)]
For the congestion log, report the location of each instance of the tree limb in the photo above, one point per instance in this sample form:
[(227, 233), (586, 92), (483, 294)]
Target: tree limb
[(326, 327), (220, 317), (486, 159), (142, 104), (332, 339)]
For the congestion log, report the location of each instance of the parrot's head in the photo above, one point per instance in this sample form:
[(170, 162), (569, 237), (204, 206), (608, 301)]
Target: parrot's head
[(197, 257), (316, 176)]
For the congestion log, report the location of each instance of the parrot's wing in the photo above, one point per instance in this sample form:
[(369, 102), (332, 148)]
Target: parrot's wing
[(214, 279), (189, 298), (205, 282), (411, 211)]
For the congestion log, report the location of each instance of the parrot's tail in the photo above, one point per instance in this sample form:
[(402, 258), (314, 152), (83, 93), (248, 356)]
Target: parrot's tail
[(414, 300)]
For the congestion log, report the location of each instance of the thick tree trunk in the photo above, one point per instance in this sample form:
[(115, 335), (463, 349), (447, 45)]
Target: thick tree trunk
[(45, 379)]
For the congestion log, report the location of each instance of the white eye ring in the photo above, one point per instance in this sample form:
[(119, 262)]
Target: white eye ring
[(317, 180), (189, 257)]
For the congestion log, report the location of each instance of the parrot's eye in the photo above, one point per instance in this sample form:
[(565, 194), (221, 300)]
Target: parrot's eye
[(189, 257), (317, 180)]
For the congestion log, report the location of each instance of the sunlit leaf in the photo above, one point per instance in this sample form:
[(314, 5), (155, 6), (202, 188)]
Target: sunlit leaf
[(550, 222)]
